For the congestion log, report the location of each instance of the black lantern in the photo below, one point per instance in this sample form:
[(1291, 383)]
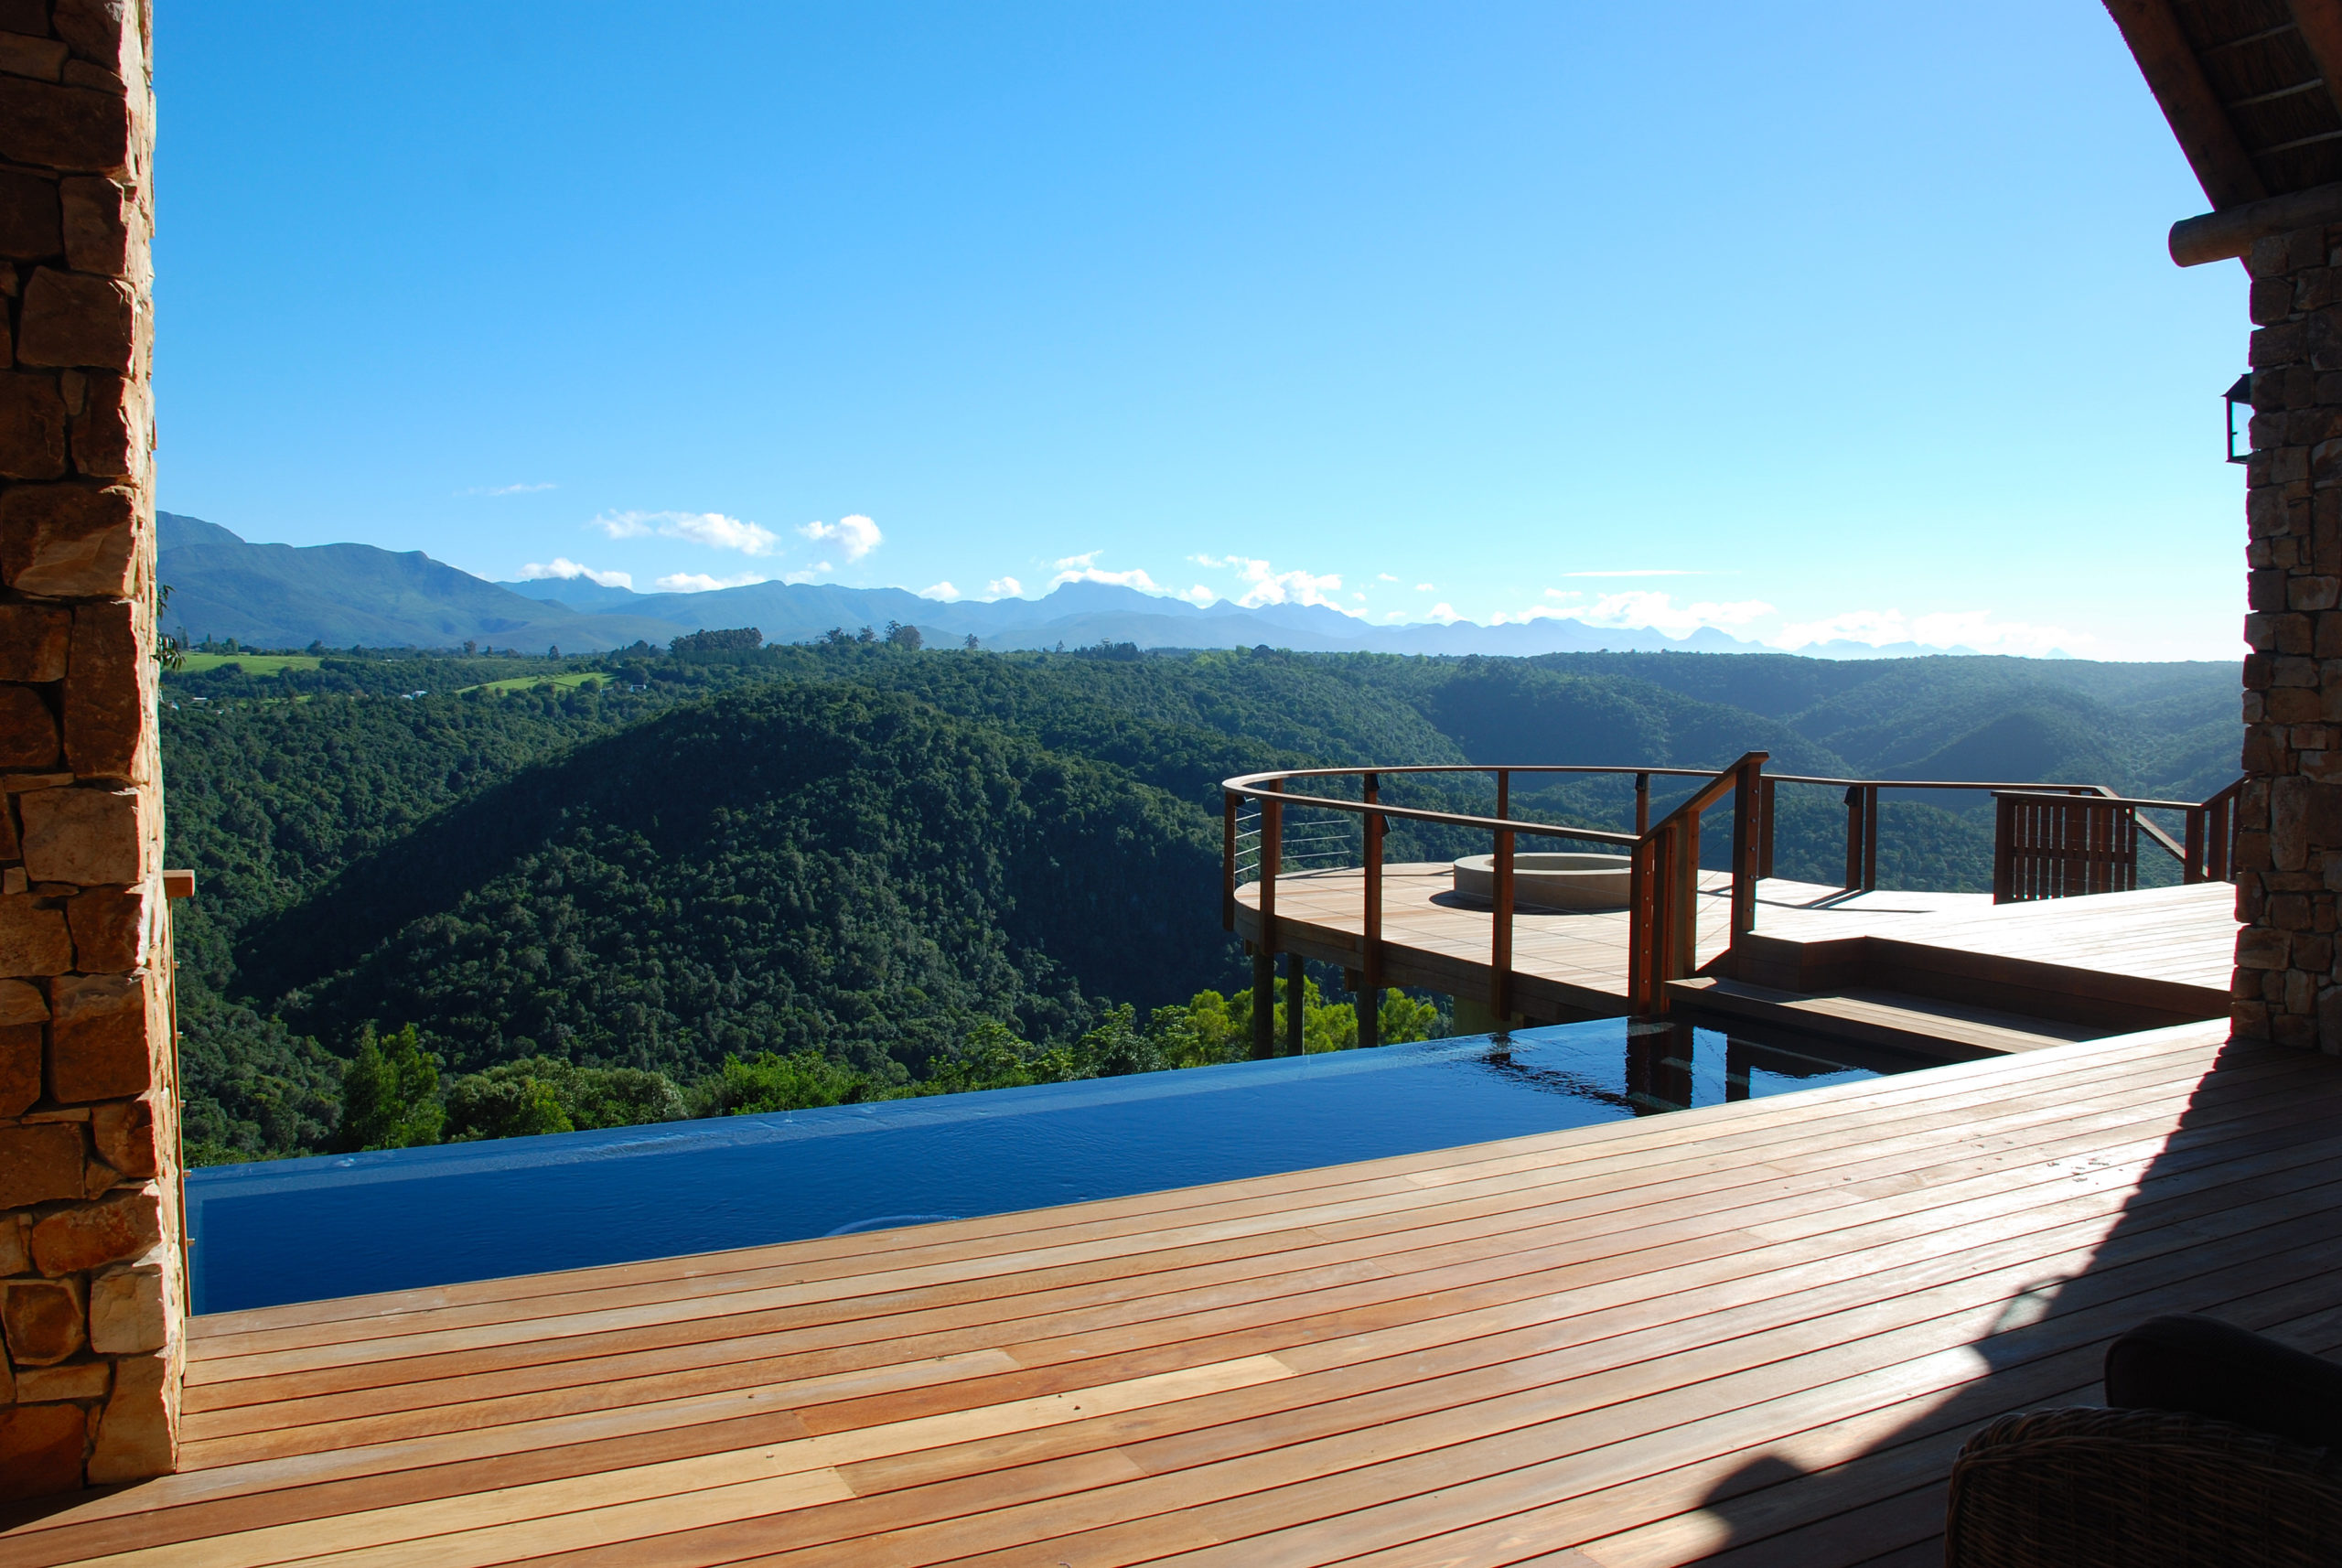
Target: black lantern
[(2240, 393)]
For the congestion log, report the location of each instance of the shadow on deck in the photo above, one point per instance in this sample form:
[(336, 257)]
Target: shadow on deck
[(1751, 1333)]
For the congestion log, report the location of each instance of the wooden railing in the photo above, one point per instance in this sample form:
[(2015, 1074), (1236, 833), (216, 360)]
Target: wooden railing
[(2058, 846), (1664, 859)]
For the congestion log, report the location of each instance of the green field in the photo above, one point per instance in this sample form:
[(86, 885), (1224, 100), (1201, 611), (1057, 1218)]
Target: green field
[(251, 663), (569, 682)]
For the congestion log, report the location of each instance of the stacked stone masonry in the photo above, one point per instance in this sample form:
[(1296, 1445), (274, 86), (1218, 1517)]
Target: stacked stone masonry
[(92, 1284)]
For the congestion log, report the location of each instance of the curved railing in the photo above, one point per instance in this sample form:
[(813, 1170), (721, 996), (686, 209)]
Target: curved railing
[(1664, 859), (2050, 840)]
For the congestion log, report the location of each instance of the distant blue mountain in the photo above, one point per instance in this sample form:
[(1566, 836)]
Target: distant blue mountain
[(280, 596)]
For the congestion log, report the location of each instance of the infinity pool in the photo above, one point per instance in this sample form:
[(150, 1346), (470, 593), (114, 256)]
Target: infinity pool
[(344, 1225)]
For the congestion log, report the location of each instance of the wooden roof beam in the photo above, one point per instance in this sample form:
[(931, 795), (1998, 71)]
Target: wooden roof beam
[(2223, 167), (2319, 24), (2216, 236)]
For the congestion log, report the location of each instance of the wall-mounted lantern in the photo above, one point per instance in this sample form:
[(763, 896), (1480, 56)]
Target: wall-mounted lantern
[(2240, 393)]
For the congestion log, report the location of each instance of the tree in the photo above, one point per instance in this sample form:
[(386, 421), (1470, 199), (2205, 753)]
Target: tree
[(899, 635), (546, 1094), (389, 1094), (775, 1083), (972, 642), (507, 1101), (729, 640), (866, 636)]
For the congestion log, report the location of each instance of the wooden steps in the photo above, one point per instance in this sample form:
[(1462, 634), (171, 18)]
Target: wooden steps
[(1893, 1019)]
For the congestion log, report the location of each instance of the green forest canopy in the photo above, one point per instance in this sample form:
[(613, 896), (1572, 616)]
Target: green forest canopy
[(860, 868)]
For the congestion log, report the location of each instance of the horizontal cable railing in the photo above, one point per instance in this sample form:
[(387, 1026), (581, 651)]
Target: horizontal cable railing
[(2051, 839), (1293, 835)]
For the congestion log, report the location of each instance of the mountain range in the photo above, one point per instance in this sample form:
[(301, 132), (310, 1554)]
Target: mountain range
[(282, 596)]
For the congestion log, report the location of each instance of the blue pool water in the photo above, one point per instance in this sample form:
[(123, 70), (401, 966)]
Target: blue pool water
[(343, 1225)]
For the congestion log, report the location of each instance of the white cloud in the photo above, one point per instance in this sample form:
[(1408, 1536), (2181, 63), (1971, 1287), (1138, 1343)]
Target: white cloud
[(712, 528), (1659, 612), (1422, 587), (1270, 586), (1395, 614), (943, 591), (854, 534), (1135, 577), (1642, 572), (506, 489), (1945, 629), (1005, 588), (561, 567), (701, 583), (1384, 577), (1202, 594), (1443, 613), (1356, 595), (1084, 568)]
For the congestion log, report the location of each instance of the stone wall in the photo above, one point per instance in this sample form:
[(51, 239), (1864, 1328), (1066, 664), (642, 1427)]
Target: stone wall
[(91, 1289), (2288, 986)]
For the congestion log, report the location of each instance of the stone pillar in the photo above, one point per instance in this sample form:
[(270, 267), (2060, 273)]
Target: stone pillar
[(92, 1286)]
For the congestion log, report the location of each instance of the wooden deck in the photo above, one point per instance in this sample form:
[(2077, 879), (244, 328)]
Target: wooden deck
[(1756, 1332), (2118, 961)]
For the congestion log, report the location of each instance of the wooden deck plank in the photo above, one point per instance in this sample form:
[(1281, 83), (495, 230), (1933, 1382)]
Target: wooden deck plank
[(359, 1319), (1644, 1206), (2167, 948), (367, 1315), (1758, 1329)]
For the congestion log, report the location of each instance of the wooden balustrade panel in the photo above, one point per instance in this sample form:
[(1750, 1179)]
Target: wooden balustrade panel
[(2063, 848)]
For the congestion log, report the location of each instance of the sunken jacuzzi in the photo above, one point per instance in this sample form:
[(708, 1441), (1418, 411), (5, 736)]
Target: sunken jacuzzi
[(1550, 881)]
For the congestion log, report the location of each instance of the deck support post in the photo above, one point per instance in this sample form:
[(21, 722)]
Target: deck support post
[(1296, 1002), (1369, 986), (1749, 835), (1264, 1003), (1500, 940)]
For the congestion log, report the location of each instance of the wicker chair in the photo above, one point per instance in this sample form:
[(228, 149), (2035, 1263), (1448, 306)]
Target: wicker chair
[(2141, 1488)]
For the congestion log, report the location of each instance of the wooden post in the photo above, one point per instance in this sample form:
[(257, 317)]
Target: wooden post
[(1500, 940), (1264, 1003), (2191, 868), (1683, 946), (1747, 836), (1296, 1002), (1853, 838), (1642, 802), (1639, 926), (1271, 856), (1369, 997), (1870, 838), (2004, 849), (1765, 838), (1228, 861)]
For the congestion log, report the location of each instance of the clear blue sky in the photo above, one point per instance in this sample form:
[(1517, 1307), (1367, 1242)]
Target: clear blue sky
[(1857, 317)]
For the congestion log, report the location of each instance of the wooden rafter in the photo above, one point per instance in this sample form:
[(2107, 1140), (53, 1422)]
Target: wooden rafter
[(2217, 155), (2319, 24)]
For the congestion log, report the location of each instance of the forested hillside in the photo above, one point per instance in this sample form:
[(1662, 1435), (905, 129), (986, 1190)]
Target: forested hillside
[(927, 868)]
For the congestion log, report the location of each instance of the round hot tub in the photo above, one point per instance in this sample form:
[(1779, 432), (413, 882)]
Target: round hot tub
[(1550, 881)]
